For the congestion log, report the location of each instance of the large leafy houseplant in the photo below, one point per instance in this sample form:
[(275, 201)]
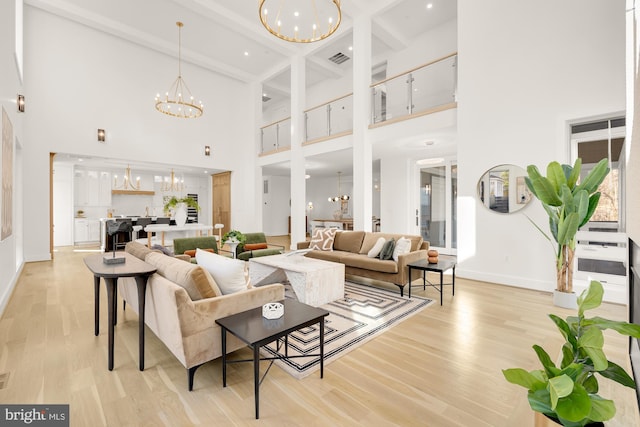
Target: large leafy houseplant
[(569, 393), (569, 206)]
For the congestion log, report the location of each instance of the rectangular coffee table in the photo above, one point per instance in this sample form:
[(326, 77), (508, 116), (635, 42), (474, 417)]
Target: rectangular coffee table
[(314, 281), (256, 331)]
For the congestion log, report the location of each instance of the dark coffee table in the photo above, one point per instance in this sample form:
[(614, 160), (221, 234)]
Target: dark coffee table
[(440, 267), (257, 331)]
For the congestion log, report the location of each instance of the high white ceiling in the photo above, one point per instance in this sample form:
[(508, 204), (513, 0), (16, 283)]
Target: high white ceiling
[(217, 33)]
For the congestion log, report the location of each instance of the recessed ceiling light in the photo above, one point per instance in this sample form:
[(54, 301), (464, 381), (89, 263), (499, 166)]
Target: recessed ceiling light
[(296, 14), (307, 176), (350, 47), (246, 53), (429, 6)]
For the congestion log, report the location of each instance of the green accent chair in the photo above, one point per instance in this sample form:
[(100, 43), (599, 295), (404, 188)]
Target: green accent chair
[(183, 244), (253, 238)]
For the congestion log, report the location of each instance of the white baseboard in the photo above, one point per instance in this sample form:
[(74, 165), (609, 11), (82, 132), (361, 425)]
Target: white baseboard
[(616, 295), (7, 295)]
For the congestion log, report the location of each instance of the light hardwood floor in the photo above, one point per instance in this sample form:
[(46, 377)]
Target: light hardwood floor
[(441, 367)]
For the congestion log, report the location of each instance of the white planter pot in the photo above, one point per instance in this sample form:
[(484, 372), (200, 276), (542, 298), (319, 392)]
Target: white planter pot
[(565, 299), (181, 214)]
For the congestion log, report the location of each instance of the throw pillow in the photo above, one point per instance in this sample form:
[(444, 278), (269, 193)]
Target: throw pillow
[(192, 252), (228, 273), (162, 249), (377, 247), (387, 249), (255, 246), (403, 246), (322, 239)]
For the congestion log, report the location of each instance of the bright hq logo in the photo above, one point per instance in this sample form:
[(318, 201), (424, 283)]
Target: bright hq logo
[(40, 415)]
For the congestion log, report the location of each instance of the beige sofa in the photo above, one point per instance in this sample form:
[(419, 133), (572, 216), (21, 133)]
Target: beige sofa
[(351, 247), (182, 304)]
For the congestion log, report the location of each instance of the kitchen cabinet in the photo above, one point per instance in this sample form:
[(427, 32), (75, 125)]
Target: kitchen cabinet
[(92, 188), (86, 230)]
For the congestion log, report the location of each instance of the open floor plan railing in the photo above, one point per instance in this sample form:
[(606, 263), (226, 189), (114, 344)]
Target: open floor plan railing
[(419, 90), (276, 136), (329, 120)]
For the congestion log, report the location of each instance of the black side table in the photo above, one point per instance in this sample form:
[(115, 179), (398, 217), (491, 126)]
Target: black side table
[(132, 267), (442, 266), (256, 331)]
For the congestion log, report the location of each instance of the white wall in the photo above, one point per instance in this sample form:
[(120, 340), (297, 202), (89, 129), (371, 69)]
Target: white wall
[(523, 73), (78, 80), (11, 259), (276, 206)]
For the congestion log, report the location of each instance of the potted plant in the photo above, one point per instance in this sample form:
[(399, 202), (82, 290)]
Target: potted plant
[(569, 206), (180, 205), (174, 201), (234, 236), (568, 393)]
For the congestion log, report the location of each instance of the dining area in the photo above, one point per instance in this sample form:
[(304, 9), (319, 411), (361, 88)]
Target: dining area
[(341, 223)]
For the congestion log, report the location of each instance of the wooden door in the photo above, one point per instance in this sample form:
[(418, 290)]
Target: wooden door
[(222, 200)]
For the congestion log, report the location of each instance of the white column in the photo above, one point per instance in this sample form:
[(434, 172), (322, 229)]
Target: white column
[(256, 98), (298, 185), (362, 150)]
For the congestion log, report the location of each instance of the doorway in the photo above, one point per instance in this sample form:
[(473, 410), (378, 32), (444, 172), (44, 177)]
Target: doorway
[(437, 213)]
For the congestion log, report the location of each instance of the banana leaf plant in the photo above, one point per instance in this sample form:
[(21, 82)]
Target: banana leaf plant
[(568, 393), (569, 205)]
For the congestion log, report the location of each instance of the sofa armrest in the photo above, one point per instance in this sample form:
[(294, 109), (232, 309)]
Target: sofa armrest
[(404, 260), (196, 316), (424, 246), (303, 245)]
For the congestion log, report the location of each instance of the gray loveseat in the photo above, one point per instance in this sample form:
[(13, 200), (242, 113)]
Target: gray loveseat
[(351, 247)]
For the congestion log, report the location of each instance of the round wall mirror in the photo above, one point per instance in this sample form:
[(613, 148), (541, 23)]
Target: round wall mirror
[(502, 189)]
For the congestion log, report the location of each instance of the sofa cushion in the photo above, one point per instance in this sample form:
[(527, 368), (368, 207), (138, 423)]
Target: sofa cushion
[(193, 278), (366, 263), (255, 246), (403, 246), (228, 273), (138, 250), (348, 241), (375, 250), (333, 256), (192, 252), (387, 249), (322, 239), (371, 238)]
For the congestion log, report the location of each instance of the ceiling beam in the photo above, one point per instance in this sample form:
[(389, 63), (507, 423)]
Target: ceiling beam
[(101, 23)]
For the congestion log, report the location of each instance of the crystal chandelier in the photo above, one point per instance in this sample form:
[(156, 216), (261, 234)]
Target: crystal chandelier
[(172, 184), (127, 182), (178, 101), (300, 21), (339, 197)]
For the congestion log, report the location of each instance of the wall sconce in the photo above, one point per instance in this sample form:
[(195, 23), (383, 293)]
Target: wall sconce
[(207, 150), (101, 135), (20, 103), (310, 206)]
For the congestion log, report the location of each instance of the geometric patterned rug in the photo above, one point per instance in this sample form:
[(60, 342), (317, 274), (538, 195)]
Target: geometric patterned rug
[(363, 314)]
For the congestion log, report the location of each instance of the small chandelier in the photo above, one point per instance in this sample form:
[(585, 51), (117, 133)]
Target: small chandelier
[(127, 182), (178, 101), (300, 21), (172, 184), (341, 197)]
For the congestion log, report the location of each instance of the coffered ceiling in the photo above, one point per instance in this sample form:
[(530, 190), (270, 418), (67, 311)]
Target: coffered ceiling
[(226, 37)]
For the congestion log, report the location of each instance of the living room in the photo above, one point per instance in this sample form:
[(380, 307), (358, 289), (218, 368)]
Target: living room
[(518, 88)]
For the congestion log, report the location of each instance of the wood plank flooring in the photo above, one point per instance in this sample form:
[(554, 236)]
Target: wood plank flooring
[(441, 367)]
